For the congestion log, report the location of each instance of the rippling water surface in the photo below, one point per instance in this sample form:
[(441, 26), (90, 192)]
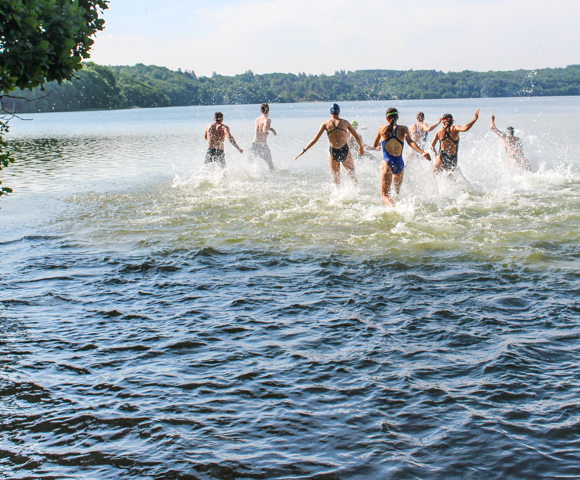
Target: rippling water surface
[(162, 321)]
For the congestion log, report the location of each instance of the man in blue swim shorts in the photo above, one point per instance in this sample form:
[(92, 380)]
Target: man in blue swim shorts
[(337, 130), (390, 137)]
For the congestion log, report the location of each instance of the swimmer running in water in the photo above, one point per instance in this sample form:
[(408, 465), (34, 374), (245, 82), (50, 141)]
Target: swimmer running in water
[(337, 130), (448, 137), (419, 132), (513, 145), (262, 127), (215, 135), (352, 143), (391, 138)]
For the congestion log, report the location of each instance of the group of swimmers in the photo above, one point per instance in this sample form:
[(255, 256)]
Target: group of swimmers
[(390, 138)]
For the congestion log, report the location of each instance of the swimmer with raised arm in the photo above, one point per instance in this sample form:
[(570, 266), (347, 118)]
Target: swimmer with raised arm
[(262, 128), (337, 130), (419, 131), (215, 135), (513, 145), (448, 137), (391, 137)]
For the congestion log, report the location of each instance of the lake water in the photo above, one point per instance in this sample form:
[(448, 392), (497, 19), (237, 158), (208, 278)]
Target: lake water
[(161, 321)]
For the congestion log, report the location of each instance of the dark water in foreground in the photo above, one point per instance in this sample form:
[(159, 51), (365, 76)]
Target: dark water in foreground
[(147, 331)]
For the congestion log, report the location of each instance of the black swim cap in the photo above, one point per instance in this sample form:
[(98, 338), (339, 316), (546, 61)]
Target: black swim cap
[(335, 109)]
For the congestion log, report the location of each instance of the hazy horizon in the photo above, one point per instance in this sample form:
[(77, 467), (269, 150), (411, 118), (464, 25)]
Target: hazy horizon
[(232, 36)]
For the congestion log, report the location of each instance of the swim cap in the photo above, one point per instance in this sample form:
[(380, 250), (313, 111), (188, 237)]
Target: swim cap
[(354, 124), (335, 109)]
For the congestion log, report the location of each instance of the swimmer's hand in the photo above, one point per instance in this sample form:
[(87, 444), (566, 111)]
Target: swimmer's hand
[(241, 151), (477, 114), (361, 151), (426, 155), (300, 154), (273, 131)]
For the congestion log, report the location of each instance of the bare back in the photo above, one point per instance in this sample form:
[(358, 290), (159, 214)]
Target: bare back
[(514, 146), (261, 129), (337, 131), (392, 146), (215, 135), (449, 138)]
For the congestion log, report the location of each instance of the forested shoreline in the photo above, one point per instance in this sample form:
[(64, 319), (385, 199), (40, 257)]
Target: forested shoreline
[(142, 86)]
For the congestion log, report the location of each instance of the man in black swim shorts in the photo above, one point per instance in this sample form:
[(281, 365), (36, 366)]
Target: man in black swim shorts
[(337, 130), (215, 135)]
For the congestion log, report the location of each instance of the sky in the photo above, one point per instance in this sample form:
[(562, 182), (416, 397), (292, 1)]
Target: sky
[(322, 36)]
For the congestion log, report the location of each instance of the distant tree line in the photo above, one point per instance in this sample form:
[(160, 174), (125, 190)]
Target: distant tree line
[(101, 87)]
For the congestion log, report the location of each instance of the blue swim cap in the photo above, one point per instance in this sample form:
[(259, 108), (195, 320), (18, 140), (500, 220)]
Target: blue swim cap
[(335, 109)]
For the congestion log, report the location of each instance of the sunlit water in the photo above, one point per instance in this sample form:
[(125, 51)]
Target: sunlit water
[(158, 320)]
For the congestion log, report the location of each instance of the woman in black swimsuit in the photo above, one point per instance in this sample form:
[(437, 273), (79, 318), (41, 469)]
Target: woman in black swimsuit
[(448, 137), (337, 130)]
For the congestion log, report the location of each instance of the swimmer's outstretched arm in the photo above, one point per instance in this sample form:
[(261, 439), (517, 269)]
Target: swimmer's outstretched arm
[(313, 141), (434, 126), (414, 146), (468, 125), (495, 130), (232, 141), (361, 150)]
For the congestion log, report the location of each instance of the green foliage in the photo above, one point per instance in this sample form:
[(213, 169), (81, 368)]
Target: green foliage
[(5, 158), (151, 86), (44, 41)]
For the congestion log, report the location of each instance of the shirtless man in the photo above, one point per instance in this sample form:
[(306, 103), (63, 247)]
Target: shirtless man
[(513, 145), (391, 137), (262, 128), (420, 130), (215, 135), (448, 136), (337, 130)]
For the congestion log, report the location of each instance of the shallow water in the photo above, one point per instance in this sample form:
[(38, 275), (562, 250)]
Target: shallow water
[(162, 321)]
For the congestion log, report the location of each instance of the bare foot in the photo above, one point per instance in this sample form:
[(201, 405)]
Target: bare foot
[(387, 201)]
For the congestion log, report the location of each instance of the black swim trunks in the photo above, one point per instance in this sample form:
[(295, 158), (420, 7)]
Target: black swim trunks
[(260, 150), (448, 161), (214, 155), (339, 154)]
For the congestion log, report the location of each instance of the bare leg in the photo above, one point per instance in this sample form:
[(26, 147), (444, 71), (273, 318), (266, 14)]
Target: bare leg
[(398, 180), (334, 170), (349, 167), (437, 166), (268, 159), (386, 180)]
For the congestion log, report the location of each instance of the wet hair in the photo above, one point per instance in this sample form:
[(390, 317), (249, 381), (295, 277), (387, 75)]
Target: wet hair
[(393, 113), (510, 130), (264, 108), (218, 116), (449, 117), (420, 115)]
